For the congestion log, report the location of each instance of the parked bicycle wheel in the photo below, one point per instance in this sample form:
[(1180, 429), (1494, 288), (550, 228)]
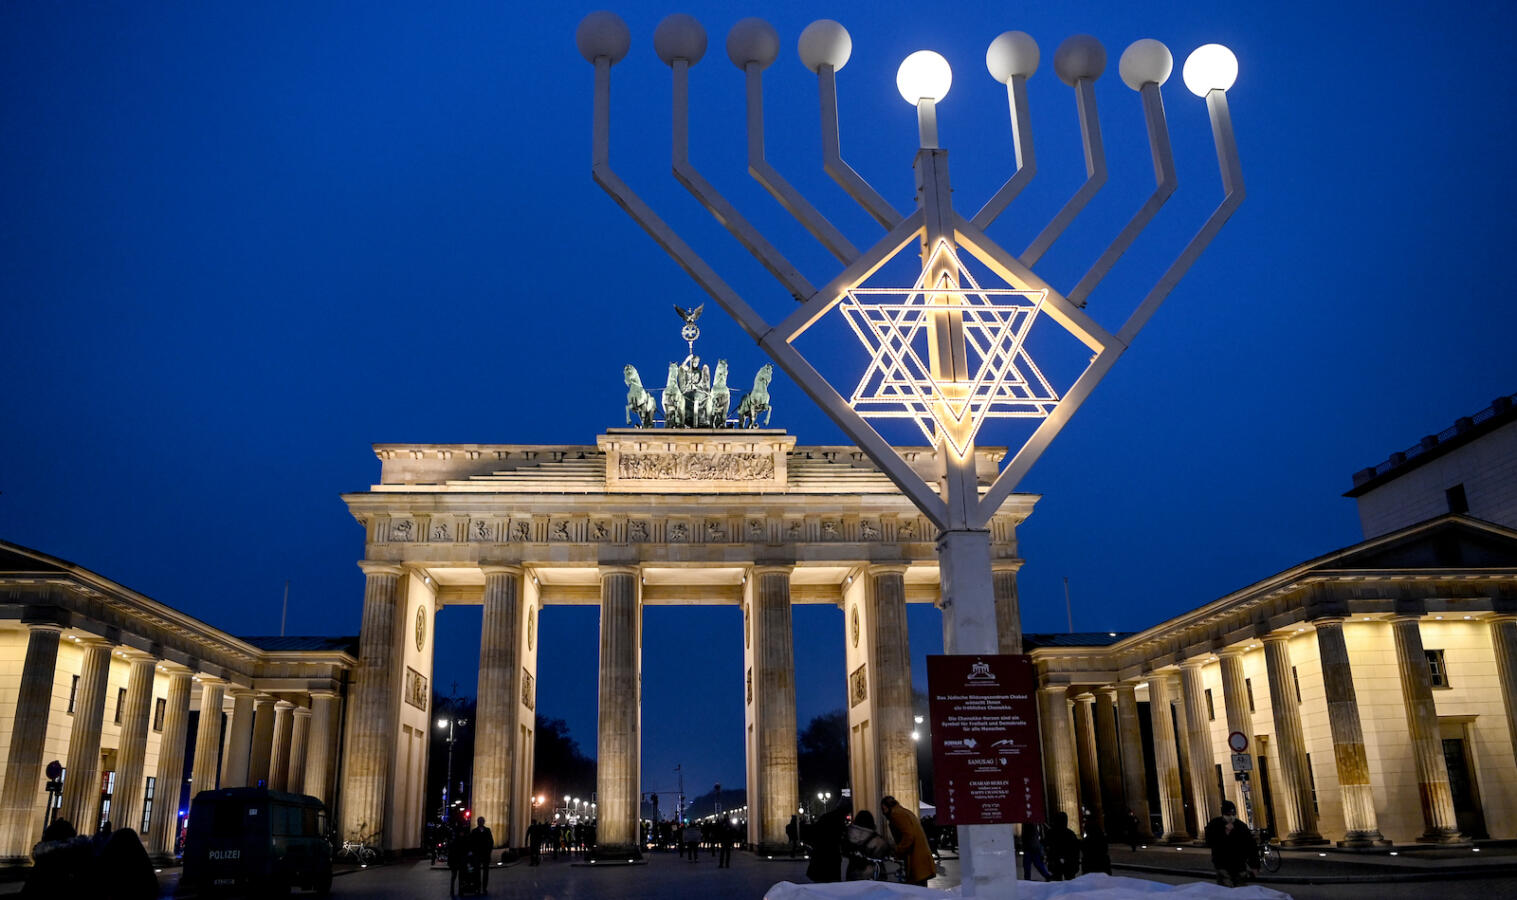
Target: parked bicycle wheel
[(1269, 858)]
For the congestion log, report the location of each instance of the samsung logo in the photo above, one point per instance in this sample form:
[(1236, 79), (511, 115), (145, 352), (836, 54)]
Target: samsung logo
[(226, 854)]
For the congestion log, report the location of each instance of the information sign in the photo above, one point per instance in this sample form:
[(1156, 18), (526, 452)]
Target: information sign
[(987, 766), (1242, 762)]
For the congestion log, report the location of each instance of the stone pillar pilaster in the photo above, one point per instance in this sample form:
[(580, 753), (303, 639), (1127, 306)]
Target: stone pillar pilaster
[(322, 750), (495, 717), (1109, 760), (22, 797), (892, 672), (1235, 700), (162, 830), (619, 746), (279, 755), (1504, 643), (370, 745), (774, 704), (1361, 827), (1161, 693), (1130, 741), (1090, 765), (1059, 754), (262, 752), (239, 739), (207, 736), (1295, 778), (1422, 725), (131, 754), (1205, 797), (299, 738), (1003, 575), (81, 782)]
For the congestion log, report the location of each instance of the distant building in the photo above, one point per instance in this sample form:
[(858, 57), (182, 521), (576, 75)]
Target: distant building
[(1469, 468)]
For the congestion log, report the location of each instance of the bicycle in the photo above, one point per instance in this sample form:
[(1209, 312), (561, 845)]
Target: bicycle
[(358, 851), (1269, 852)]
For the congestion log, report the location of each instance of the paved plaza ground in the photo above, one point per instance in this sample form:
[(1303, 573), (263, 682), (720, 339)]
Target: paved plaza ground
[(1413, 874)]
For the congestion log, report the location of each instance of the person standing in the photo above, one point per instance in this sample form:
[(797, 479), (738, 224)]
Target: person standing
[(484, 844), (911, 842), (1232, 847), (1063, 848), (826, 848), (724, 837), (458, 853), (1032, 851), (1095, 855)]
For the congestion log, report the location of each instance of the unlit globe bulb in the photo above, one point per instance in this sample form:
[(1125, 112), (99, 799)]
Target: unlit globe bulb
[(1211, 67), (924, 75)]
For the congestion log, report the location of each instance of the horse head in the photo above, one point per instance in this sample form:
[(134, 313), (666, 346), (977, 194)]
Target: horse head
[(762, 379), (719, 380), (673, 376), (629, 374)]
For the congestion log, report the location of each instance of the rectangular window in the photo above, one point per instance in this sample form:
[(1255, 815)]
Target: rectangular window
[(158, 708), (1221, 785), (1296, 680), (73, 691), (1248, 684), (1458, 502), (120, 703), (1311, 778), (1211, 707), (1437, 668), (147, 804)]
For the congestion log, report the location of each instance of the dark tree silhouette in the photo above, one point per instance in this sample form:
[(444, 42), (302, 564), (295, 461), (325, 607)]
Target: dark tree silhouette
[(560, 768), (823, 755)]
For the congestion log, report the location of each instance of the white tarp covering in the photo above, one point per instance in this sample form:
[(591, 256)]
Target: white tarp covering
[(1086, 887)]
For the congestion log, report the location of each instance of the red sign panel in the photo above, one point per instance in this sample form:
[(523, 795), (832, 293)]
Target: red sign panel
[(986, 762)]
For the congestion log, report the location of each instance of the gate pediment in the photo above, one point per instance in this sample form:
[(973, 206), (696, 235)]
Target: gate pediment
[(695, 461)]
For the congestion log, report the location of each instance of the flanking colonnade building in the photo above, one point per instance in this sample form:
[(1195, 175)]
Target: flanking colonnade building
[(1376, 683)]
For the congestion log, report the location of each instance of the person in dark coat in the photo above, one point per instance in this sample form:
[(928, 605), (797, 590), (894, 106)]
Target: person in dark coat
[(1095, 855), (458, 853), (725, 835), (123, 870), (1063, 848), (826, 864), (483, 843), (864, 844), (1032, 851), (61, 862), (1232, 847), (1134, 833)]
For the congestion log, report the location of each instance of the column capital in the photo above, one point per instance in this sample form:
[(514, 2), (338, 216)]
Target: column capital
[(1277, 637), (236, 690), (1502, 618), (42, 625), (324, 695), (876, 569), (1328, 621), (94, 642), (771, 569), (1415, 618), (132, 654), (1193, 662), (1230, 653), (499, 569), (302, 712), (283, 705), (1125, 687), (378, 567), (172, 669), (1006, 565), (208, 679), (634, 571)]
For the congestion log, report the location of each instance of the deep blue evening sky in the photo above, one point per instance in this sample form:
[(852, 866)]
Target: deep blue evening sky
[(241, 242)]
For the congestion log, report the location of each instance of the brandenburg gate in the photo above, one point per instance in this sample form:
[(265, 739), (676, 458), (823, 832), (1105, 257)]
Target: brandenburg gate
[(644, 517)]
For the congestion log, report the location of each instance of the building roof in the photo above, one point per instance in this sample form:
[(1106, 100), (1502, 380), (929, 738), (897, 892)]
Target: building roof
[(1502, 411), (305, 643), (1073, 639)]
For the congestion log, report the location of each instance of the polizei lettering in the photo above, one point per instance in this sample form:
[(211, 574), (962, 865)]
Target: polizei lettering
[(226, 854)]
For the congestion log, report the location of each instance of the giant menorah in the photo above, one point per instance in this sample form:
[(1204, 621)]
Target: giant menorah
[(946, 353)]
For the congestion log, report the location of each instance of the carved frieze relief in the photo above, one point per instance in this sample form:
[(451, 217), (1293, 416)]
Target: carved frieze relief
[(695, 466)]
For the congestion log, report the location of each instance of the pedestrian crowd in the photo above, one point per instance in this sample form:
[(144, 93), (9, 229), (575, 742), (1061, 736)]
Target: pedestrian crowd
[(111, 865)]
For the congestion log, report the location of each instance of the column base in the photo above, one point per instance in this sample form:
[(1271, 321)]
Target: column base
[(162, 860), (617, 852), (1176, 837), (14, 861), (1444, 836), (1304, 839), (1364, 840)]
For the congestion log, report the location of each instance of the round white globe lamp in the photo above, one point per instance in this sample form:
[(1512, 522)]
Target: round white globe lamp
[(824, 43), (924, 75), (1012, 53), (603, 34), (679, 36), (1210, 67), (1145, 62)]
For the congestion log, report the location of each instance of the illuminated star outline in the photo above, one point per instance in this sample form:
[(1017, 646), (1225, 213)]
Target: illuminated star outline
[(898, 382)]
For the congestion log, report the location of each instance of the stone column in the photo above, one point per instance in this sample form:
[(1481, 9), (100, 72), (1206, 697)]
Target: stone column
[(893, 714), (495, 718), (1109, 760), (1504, 643), (1008, 612), (81, 782), (1130, 740), (1361, 827), (1161, 692), (1205, 798), (263, 742), (370, 745), (1090, 765), (619, 747), (208, 736), (1059, 752), (774, 702), (131, 754), (279, 755), (22, 795), (1235, 700), (1295, 777), (239, 739), (176, 731), (323, 745), (299, 737), (1422, 724)]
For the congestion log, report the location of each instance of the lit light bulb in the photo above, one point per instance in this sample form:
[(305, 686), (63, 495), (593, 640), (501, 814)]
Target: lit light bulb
[(1210, 67), (924, 75)]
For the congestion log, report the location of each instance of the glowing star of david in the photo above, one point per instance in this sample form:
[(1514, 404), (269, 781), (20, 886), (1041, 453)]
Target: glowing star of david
[(899, 383)]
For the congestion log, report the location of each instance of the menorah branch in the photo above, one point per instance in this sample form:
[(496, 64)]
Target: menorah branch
[(1095, 173), (832, 155), (1027, 160)]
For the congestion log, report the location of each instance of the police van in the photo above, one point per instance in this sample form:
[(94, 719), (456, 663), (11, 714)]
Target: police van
[(256, 840)]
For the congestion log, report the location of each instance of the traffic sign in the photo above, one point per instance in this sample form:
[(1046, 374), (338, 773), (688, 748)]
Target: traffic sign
[(1238, 741), (1242, 762)]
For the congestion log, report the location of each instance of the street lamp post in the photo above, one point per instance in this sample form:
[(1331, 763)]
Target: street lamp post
[(449, 723), (946, 353)]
